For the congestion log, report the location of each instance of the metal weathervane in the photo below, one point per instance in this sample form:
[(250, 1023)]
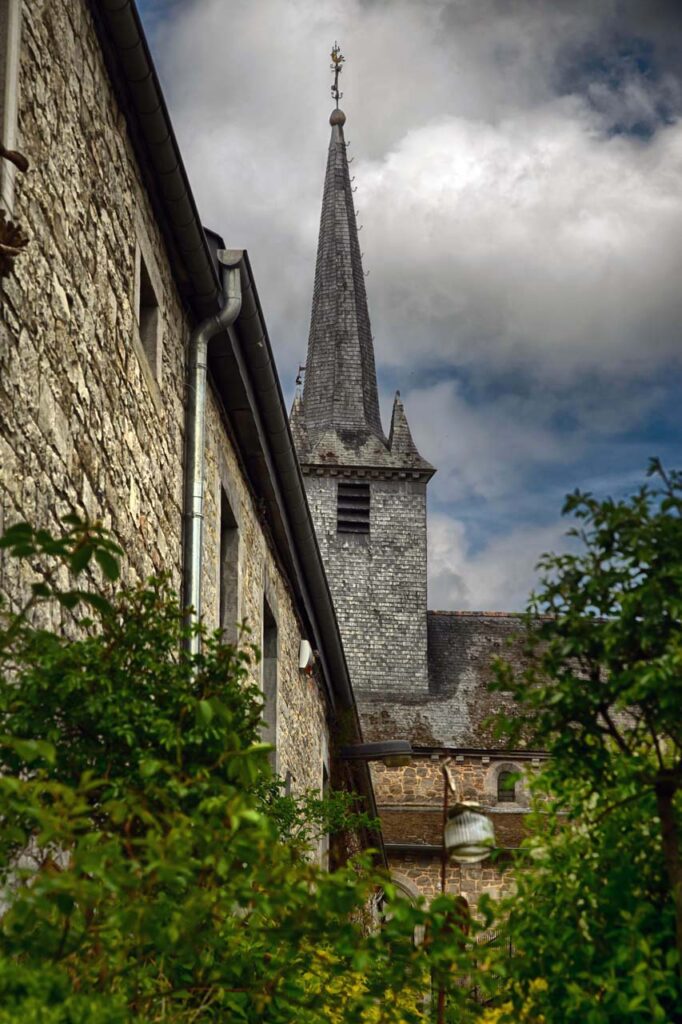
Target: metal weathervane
[(337, 60)]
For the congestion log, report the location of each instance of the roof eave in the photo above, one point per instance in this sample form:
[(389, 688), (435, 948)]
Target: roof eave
[(136, 83), (255, 405)]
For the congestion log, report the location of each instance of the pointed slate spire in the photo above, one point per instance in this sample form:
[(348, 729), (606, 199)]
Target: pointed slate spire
[(340, 391), (400, 438)]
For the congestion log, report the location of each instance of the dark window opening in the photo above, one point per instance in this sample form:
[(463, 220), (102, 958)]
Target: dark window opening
[(506, 788), (148, 318), (229, 571), (352, 509), (269, 731)]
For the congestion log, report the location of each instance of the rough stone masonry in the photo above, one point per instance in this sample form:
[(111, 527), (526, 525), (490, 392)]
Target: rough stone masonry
[(91, 414)]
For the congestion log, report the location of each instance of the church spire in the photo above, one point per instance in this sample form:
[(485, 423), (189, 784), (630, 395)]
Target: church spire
[(336, 421), (340, 391)]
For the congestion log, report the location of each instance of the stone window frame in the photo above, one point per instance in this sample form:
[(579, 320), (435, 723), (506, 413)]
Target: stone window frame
[(406, 889), (506, 794), (406, 886), (491, 786), (149, 350), (10, 52)]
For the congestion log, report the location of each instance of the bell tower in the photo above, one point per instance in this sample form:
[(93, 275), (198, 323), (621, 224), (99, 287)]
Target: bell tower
[(367, 492)]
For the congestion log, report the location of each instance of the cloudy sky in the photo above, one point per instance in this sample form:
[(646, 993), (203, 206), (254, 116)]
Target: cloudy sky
[(519, 181)]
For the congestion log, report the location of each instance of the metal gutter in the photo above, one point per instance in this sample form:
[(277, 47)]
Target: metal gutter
[(497, 753), (195, 438), (431, 850), (254, 354), (130, 64), (135, 81)]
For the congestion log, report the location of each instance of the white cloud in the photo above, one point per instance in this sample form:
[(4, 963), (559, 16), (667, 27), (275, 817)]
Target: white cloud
[(535, 241), (498, 578), (500, 222), (508, 232), (479, 450)]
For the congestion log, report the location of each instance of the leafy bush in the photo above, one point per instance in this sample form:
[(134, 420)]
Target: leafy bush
[(596, 922), (151, 867)]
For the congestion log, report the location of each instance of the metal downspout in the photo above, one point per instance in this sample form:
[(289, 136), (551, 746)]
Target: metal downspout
[(196, 435)]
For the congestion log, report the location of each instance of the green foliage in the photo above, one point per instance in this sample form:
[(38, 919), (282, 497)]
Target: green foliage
[(605, 640), (302, 819), (596, 921), (151, 869)]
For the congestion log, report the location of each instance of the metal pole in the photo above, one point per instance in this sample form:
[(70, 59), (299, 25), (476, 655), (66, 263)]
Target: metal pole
[(443, 876), (195, 435), (444, 852)]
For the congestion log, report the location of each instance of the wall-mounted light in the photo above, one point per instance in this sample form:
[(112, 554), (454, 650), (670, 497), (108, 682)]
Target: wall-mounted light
[(306, 657), (469, 835), (393, 753)]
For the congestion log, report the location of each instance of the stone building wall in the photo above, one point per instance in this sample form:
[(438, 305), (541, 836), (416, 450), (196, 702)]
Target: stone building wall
[(302, 735), (420, 874), (462, 647), (91, 416), (378, 582), (410, 804), (85, 426)]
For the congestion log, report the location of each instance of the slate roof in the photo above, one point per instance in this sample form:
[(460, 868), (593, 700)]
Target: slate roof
[(337, 420), (340, 383), (461, 647)]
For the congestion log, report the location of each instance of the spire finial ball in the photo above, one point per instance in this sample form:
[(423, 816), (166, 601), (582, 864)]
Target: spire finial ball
[(337, 117)]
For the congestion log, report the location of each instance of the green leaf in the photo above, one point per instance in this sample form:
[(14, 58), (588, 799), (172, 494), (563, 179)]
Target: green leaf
[(80, 558), (96, 601), (65, 902), (150, 767), (18, 532), (205, 711), (107, 563), (73, 520), (30, 750)]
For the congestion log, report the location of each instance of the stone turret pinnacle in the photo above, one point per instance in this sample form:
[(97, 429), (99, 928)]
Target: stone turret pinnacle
[(400, 436), (340, 391)]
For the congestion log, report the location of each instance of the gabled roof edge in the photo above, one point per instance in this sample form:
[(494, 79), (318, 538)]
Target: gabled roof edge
[(133, 75), (136, 83)]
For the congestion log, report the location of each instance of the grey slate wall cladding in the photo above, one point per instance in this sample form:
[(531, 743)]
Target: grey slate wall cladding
[(417, 675), (462, 646), (378, 582)]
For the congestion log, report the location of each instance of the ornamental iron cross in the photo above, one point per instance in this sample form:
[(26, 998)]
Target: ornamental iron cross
[(337, 60)]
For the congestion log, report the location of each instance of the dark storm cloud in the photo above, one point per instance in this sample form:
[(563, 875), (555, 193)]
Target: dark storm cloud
[(519, 173)]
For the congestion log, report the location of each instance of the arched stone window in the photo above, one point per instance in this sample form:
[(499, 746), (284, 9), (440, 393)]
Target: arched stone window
[(506, 787), (407, 890), (504, 784), (405, 887)]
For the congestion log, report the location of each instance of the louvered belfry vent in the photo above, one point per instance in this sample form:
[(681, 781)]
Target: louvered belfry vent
[(352, 509)]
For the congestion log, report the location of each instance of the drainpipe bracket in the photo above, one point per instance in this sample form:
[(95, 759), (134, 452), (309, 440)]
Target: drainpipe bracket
[(230, 257)]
